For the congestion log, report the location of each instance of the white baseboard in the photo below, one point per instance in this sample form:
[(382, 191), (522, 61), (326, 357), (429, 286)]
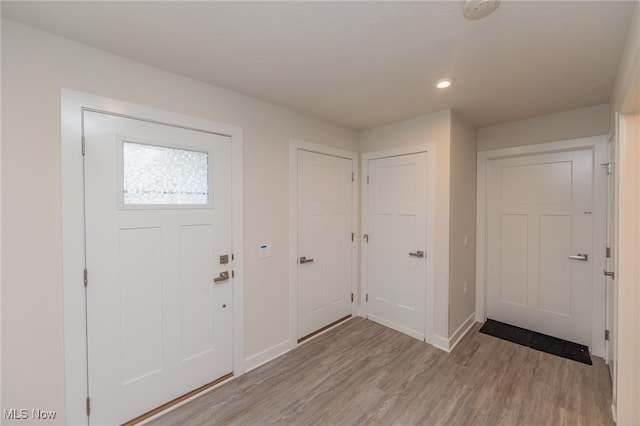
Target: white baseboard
[(440, 342), (461, 331), (447, 344), (255, 361), (614, 411)]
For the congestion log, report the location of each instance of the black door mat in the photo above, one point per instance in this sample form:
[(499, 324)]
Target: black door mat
[(537, 341)]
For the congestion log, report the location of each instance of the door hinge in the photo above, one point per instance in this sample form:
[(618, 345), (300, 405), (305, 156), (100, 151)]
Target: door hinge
[(352, 236), (86, 277), (366, 237), (607, 252), (233, 273), (351, 297), (367, 178), (232, 258), (366, 297), (353, 177), (607, 335), (84, 145), (88, 406)]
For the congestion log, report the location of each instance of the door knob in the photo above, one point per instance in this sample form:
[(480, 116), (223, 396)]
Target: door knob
[(583, 257), (223, 277), (305, 260), (419, 253)]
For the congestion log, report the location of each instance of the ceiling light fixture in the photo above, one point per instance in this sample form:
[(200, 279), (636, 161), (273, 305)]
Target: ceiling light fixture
[(476, 9), (444, 83)]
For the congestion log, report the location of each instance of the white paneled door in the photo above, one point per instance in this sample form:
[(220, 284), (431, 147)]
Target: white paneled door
[(158, 218), (396, 249), (325, 200), (540, 231)]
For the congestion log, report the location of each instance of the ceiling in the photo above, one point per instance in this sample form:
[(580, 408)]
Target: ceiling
[(368, 63)]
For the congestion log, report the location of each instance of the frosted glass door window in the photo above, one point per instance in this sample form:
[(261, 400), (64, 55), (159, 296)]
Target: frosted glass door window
[(164, 176)]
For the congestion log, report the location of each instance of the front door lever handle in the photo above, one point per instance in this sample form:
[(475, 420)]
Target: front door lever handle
[(419, 253), (223, 277), (305, 260)]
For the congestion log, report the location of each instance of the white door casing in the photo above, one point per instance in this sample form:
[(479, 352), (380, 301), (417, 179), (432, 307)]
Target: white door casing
[(597, 145), (158, 325), (73, 249), (397, 257), (610, 262), (325, 240), (539, 212)]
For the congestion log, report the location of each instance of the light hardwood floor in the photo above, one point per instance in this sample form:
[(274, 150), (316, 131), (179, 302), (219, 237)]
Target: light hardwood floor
[(363, 373)]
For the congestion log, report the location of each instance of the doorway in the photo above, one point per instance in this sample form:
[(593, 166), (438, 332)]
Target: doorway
[(137, 256), (397, 240), (158, 254), (541, 223), (323, 237)]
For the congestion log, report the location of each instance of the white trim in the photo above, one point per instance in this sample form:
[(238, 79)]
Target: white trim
[(628, 271), (430, 149), (294, 146), (71, 104), (599, 146), (440, 342), (461, 331), (269, 354)]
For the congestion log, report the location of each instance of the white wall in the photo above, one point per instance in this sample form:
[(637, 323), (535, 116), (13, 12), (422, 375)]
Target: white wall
[(35, 66), (579, 123), (462, 259), (430, 128)]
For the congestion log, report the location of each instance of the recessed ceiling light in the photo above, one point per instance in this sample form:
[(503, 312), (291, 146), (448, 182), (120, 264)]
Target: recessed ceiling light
[(444, 83)]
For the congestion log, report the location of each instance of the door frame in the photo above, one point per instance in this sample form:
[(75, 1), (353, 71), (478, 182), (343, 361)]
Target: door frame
[(598, 144), (627, 279), (429, 149), (72, 104), (296, 145)]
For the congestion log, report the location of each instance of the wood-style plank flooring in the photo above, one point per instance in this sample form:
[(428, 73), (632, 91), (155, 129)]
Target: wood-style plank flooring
[(363, 373)]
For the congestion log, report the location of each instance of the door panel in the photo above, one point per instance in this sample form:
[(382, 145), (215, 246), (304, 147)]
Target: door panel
[(397, 202), (324, 235), (157, 218), (539, 214)]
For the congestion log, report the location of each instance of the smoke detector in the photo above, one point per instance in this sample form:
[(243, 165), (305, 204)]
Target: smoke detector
[(476, 9)]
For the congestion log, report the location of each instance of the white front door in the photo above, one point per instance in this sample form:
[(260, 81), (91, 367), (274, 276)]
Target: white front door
[(396, 249), (540, 230), (158, 218), (325, 236)]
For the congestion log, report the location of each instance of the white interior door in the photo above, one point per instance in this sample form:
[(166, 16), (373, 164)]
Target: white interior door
[(540, 230), (396, 249), (158, 218), (325, 199)]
